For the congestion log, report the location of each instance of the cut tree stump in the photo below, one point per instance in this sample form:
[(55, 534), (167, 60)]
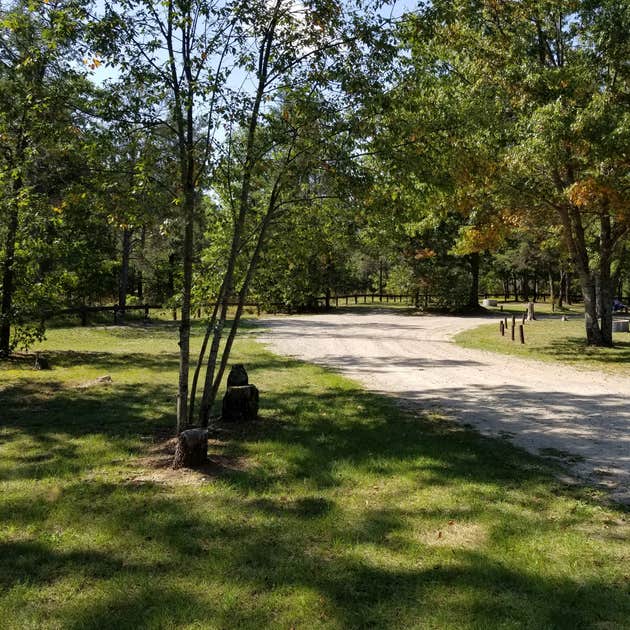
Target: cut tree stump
[(237, 376), (191, 449), (41, 362), (240, 404)]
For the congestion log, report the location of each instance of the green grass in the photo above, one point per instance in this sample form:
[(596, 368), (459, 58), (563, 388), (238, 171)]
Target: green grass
[(336, 510), (544, 308), (551, 339)]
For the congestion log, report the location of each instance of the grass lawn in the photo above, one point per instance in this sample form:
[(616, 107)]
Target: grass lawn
[(335, 510), (551, 339)]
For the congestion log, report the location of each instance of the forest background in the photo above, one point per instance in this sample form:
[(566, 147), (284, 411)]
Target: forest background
[(279, 151)]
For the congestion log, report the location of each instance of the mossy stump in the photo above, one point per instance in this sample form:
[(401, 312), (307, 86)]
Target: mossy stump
[(240, 404)]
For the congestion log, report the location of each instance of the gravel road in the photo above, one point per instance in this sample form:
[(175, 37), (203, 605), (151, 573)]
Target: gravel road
[(580, 418)]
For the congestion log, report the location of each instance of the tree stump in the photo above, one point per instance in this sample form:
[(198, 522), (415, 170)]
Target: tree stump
[(41, 362), (237, 376), (191, 449), (531, 315), (240, 404)]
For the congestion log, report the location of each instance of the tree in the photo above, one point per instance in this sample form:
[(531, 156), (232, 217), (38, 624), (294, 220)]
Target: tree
[(41, 146), (552, 80), (187, 57)]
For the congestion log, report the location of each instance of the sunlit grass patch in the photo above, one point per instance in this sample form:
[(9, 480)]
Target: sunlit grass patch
[(551, 339)]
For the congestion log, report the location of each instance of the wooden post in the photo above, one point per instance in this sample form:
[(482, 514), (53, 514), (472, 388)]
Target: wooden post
[(146, 312), (505, 322), (521, 333), (512, 329), (356, 299), (523, 319), (83, 316), (175, 313), (501, 328), (346, 300)]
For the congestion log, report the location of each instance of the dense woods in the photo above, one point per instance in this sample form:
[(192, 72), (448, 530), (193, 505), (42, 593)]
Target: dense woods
[(204, 153)]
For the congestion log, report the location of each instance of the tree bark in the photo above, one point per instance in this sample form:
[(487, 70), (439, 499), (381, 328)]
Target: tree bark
[(605, 279), (123, 279), (8, 281), (473, 296), (191, 449)]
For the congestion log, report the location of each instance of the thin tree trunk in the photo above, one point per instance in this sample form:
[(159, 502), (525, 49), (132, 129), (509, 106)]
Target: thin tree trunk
[(123, 279), (253, 264), (473, 296), (8, 278), (605, 280), (244, 207), (202, 355)]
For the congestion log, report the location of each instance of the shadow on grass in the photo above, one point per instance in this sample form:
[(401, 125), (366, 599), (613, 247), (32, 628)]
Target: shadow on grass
[(261, 539), (255, 548), (572, 349)]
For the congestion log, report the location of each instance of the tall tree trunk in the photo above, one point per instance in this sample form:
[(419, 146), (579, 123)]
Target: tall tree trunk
[(253, 265), (473, 296), (573, 231), (605, 279), (525, 286), (123, 279), (184, 326), (8, 279), (561, 288), (515, 285), (140, 279)]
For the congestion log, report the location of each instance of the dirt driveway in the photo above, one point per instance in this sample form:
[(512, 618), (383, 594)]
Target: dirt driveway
[(580, 418)]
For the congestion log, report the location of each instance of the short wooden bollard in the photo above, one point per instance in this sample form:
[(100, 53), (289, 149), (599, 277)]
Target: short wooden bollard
[(512, 329), (521, 333), (523, 319), (505, 322), (501, 328)]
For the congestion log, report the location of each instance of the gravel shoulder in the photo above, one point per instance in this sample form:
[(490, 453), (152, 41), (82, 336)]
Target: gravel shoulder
[(580, 418)]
